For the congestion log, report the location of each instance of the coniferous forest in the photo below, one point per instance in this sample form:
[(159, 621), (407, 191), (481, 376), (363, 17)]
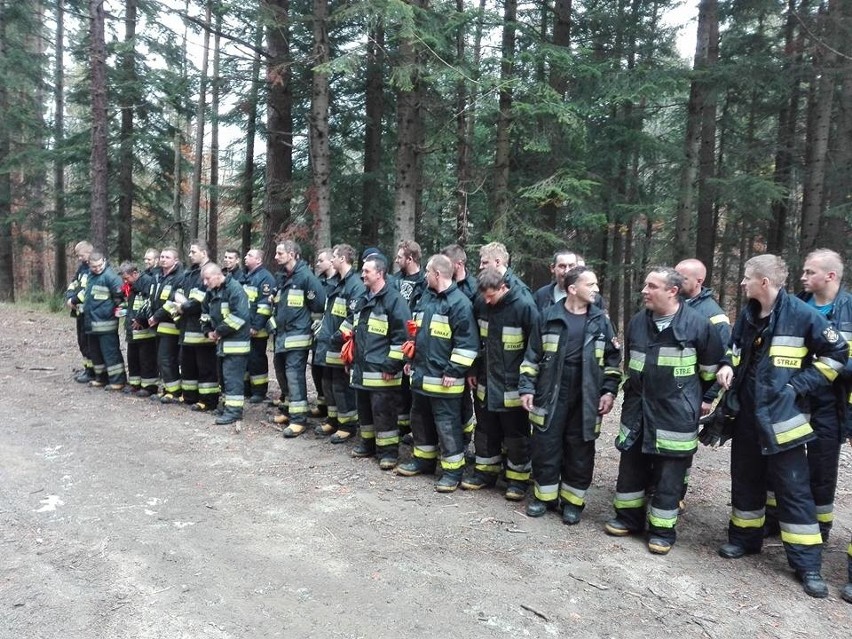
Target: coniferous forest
[(540, 124)]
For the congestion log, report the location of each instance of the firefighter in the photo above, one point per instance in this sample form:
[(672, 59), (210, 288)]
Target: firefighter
[(74, 301), (163, 312), (104, 295), (259, 286), (324, 270), (232, 265), (141, 339)]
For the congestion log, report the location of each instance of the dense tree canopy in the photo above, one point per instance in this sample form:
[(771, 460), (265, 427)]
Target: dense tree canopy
[(540, 124)]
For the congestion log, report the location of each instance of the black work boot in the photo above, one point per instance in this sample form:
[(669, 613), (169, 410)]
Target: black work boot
[(812, 583), (449, 481), (229, 416)]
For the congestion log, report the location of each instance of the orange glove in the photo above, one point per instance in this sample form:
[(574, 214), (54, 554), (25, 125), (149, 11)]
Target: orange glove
[(411, 325), (408, 349), (347, 353)]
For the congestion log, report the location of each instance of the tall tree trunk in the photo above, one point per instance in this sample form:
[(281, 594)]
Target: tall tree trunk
[(201, 108), (319, 143), (213, 198), (279, 125), (128, 95), (59, 239), (786, 138), (371, 203), (99, 158), (705, 245), (697, 96), (463, 144), (409, 125), (501, 203), (7, 261), (251, 132), (819, 126)]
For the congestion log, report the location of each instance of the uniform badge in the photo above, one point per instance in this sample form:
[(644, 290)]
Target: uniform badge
[(831, 335), (311, 295), (267, 289), (616, 343), (353, 304)]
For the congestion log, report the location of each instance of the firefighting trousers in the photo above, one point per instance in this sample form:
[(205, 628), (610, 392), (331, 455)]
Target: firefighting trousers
[(636, 471), (83, 344), (345, 400), (316, 376), (378, 411), (328, 392), (404, 419), (258, 368), (436, 429), (290, 366), (232, 371), (142, 364), (199, 375), (107, 360), (497, 431), (168, 358), (563, 463)]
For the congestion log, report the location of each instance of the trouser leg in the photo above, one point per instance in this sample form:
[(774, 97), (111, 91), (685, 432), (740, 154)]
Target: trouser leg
[(366, 429), (98, 364), (328, 391), (189, 373), (134, 365), (297, 386), (208, 375), (279, 364), (823, 462), (168, 351), (515, 429), (113, 359), (258, 367), (634, 475), (316, 376), (147, 349), (487, 441), (344, 400), (385, 407), (446, 412), (663, 506), (748, 487), (405, 402), (423, 431), (233, 373), (468, 413), (797, 515), (83, 345)]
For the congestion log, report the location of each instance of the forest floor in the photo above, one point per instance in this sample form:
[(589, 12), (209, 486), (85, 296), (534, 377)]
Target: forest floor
[(120, 517)]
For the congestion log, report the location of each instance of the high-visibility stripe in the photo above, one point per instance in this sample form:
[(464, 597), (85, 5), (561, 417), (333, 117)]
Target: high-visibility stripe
[(189, 384), (483, 328), (395, 352), (235, 401), (298, 341), (463, 356), (453, 462), (106, 326), (512, 338), (548, 492), (572, 495), (636, 361), (676, 357), (425, 452), (662, 518), (376, 380), (549, 343), (236, 347), (435, 385), (629, 500), (721, 318), (529, 368), (748, 518), (387, 438), (792, 429), (192, 337), (825, 513), (511, 399), (234, 321), (167, 328), (676, 442), (802, 534)]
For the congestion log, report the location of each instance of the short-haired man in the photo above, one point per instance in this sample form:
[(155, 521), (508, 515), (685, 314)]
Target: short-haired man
[(506, 319), (225, 321), (554, 293), (782, 351), (141, 339), (324, 270), (151, 260), (446, 346), (379, 329), (495, 254), (198, 364), (74, 300), (674, 353), (163, 310), (464, 279), (104, 294), (232, 265), (298, 295), (259, 286), (342, 300), (409, 280), (568, 382)]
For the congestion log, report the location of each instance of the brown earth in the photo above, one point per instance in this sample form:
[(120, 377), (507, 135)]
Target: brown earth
[(124, 518)]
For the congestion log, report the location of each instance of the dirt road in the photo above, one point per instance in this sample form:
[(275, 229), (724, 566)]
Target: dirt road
[(124, 518)]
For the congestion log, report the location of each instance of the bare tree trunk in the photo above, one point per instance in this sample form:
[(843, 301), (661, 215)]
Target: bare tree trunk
[(251, 132), (279, 125), (819, 126), (99, 158), (501, 202), (371, 213), (201, 107), (7, 261), (213, 197), (125, 169), (59, 239), (319, 143)]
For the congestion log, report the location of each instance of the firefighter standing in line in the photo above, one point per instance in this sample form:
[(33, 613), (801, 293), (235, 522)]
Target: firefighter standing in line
[(259, 286), (141, 339), (74, 295), (168, 335), (104, 294), (232, 265), (324, 270)]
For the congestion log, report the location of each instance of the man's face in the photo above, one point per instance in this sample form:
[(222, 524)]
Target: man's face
[(492, 296), (564, 263), (130, 278), (432, 277), (167, 260), (655, 295), (212, 278), (487, 260), (402, 261), (230, 259), (752, 284), (252, 259), (691, 284), (323, 263), (372, 278), (338, 262), (586, 287), (97, 267), (196, 255), (150, 259), (815, 278)]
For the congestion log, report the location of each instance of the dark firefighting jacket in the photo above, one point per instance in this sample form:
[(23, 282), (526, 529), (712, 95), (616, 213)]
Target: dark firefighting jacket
[(667, 374), (259, 286), (191, 286), (162, 296), (104, 293), (705, 304), (503, 333), (76, 291), (340, 303), (298, 296), (410, 287), (447, 342), (226, 310), (139, 310), (541, 370), (799, 352)]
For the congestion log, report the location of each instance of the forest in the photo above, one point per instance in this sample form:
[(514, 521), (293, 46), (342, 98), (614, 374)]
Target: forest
[(540, 124)]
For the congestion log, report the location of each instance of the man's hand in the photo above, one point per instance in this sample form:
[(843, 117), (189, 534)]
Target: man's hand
[(527, 402), (705, 408), (252, 332), (69, 303), (213, 335), (471, 382), (407, 369), (606, 403), (725, 376), (387, 377), (447, 381), (152, 321)]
